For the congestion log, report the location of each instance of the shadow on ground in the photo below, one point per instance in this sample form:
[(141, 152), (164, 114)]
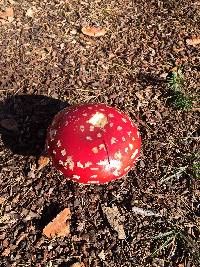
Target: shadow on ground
[(24, 120)]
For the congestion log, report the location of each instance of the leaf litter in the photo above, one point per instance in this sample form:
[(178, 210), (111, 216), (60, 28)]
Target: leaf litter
[(41, 57), (60, 226)]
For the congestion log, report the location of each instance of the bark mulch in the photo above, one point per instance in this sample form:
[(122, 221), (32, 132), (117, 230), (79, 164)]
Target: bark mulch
[(46, 64)]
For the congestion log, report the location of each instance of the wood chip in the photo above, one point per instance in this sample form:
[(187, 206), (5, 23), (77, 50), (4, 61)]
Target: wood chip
[(93, 31), (60, 226), (115, 220), (193, 41)]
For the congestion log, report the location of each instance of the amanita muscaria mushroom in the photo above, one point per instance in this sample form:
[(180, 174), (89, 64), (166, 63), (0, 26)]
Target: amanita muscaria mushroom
[(93, 143)]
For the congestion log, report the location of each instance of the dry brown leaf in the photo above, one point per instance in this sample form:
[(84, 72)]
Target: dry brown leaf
[(7, 15), (42, 162), (78, 264), (60, 226), (93, 31), (193, 41)]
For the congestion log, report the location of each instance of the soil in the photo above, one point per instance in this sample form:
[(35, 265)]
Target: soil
[(46, 64)]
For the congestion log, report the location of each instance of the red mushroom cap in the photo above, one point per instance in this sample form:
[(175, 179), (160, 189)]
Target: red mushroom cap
[(93, 143)]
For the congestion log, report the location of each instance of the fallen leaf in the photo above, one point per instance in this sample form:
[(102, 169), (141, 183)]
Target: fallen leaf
[(60, 226), (193, 41), (7, 15), (93, 31), (115, 220), (78, 264), (42, 162)]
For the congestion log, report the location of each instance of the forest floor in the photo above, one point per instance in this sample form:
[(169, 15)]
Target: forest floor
[(147, 64)]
